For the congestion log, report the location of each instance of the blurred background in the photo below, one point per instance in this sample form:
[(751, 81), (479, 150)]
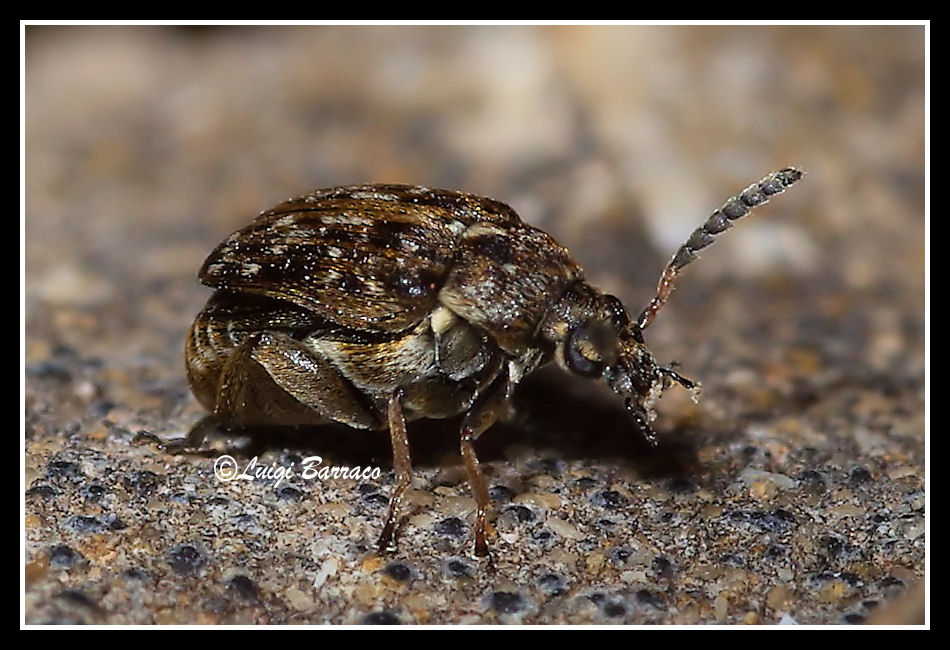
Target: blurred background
[(145, 146)]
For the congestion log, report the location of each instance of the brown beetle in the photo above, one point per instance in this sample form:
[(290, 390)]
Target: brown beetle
[(371, 305)]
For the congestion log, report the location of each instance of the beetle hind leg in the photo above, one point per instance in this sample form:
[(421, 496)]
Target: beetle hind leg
[(272, 378), (403, 466)]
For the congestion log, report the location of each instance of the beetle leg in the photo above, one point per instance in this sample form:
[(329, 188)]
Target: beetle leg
[(480, 417), (402, 465), (272, 378)]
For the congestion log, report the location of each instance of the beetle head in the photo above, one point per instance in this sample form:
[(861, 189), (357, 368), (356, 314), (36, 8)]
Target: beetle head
[(610, 347)]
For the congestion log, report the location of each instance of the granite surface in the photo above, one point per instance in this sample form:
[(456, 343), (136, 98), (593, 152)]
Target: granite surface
[(793, 492)]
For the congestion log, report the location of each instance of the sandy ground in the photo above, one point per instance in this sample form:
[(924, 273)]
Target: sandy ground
[(793, 492)]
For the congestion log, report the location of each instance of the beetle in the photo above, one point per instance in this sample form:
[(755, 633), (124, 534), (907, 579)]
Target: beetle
[(374, 305)]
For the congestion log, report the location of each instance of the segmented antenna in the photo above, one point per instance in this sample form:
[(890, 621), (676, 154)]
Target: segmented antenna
[(720, 220)]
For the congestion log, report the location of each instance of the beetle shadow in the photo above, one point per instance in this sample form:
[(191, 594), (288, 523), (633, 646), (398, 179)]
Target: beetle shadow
[(562, 420)]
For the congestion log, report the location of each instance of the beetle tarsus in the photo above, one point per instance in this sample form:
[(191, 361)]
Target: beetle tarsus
[(686, 383)]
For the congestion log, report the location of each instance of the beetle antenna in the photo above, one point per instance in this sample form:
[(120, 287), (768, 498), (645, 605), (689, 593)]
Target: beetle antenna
[(720, 220)]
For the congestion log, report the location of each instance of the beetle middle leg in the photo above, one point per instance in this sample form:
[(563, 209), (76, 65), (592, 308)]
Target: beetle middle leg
[(403, 466), (484, 413)]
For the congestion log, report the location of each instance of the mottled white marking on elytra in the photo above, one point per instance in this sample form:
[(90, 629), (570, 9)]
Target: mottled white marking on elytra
[(457, 227), (380, 196), (481, 229), (250, 269), (334, 251), (347, 219)]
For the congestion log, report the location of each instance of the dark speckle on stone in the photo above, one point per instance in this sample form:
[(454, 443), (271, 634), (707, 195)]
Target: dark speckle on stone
[(777, 521), (521, 514), (55, 370), (375, 500), (598, 598), (42, 491), (543, 537), (620, 555), (186, 559), (398, 571), (245, 522), (852, 579), (142, 483), (647, 597), (289, 493), (776, 551), (180, 497), (505, 602), (813, 480), (735, 560), (63, 556), (552, 583), (136, 574), (113, 522), (613, 609), (860, 475), (291, 459), (85, 524), (63, 469), (217, 500), (663, 567), (780, 519), (748, 453), (94, 492), (606, 525), (832, 546), (76, 598), (585, 483), (501, 493), (244, 586), (457, 568), (451, 527), (367, 488), (609, 499), (381, 618), (852, 619), (822, 577)]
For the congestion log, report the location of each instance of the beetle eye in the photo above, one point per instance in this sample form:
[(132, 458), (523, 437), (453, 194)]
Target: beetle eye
[(580, 355)]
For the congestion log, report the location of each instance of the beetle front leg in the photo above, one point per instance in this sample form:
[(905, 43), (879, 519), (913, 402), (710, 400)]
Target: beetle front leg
[(403, 466), (484, 413)]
